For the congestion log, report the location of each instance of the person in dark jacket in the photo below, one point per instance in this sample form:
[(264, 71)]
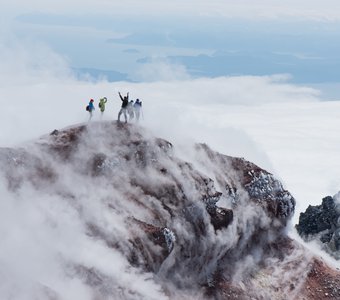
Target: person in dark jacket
[(123, 110)]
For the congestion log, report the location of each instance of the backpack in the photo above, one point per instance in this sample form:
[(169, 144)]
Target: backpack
[(87, 108)]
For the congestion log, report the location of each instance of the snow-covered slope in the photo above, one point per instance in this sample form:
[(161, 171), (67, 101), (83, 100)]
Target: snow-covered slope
[(108, 211)]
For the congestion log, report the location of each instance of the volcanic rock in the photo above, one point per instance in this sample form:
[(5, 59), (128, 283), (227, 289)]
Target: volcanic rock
[(209, 227)]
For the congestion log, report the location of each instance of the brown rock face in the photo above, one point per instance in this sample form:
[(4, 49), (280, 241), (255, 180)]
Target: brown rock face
[(322, 282), (212, 227)]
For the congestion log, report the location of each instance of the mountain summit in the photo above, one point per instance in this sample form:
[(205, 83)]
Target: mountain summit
[(108, 211)]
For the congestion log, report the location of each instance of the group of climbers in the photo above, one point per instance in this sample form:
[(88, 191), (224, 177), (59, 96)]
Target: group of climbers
[(131, 108)]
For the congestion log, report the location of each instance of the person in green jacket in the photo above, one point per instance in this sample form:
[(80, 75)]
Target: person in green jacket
[(102, 103)]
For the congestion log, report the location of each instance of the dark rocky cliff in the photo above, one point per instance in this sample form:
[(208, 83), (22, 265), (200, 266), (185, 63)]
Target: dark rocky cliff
[(322, 223)]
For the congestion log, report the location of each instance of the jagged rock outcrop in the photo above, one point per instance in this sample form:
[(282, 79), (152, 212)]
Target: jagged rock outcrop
[(322, 222), (211, 227)]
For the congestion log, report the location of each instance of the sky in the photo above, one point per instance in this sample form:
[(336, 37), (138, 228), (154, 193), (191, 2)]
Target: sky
[(127, 40), (256, 80)]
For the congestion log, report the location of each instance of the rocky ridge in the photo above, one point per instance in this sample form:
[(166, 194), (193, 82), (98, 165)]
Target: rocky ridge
[(213, 227)]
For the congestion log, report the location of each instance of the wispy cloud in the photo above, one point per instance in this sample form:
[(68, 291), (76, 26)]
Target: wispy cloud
[(159, 69), (303, 56), (29, 62)]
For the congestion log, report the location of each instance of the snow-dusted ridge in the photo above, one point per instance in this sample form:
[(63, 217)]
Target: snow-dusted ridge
[(107, 211)]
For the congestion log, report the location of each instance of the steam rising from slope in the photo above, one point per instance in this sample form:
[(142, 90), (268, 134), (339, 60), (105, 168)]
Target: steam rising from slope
[(47, 237), (70, 206)]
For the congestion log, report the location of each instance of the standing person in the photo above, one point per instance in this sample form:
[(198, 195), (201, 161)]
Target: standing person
[(137, 107), (101, 104), (130, 110), (90, 108), (125, 102)]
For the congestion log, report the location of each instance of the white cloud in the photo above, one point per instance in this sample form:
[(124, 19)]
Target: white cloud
[(27, 62), (159, 69)]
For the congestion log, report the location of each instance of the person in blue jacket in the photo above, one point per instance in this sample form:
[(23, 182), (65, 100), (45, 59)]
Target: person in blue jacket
[(90, 108)]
